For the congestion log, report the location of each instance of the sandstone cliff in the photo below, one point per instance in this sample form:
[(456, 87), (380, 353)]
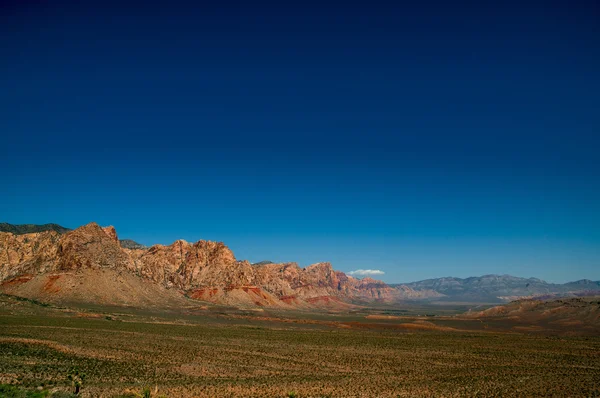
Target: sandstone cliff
[(203, 270)]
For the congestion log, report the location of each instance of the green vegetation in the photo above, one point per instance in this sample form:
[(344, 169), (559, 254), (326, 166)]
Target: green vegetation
[(11, 391), (145, 393), (77, 378), (31, 228), (8, 391), (24, 299)]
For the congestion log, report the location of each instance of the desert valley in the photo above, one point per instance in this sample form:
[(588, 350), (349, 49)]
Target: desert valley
[(191, 320), (358, 199)]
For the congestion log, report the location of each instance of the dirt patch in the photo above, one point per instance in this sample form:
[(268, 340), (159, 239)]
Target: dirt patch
[(418, 325), (203, 293), (89, 315), (382, 317), (289, 299), (321, 300), (49, 286)]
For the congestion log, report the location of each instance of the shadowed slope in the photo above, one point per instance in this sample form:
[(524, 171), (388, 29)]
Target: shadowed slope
[(580, 314), (94, 286)]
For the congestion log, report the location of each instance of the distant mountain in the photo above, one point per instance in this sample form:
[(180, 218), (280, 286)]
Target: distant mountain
[(264, 262), (498, 288), (131, 244), (20, 229), (582, 283), (31, 228)]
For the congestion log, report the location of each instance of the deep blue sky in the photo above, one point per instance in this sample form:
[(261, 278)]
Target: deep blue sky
[(430, 139)]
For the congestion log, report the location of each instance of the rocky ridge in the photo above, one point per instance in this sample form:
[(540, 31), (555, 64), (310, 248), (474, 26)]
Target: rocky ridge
[(31, 228), (209, 271), (203, 270)]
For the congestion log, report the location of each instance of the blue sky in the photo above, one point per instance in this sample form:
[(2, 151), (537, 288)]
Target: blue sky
[(426, 140)]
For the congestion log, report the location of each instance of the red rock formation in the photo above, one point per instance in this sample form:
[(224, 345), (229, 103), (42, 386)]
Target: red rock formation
[(91, 246), (205, 270), (112, 233)]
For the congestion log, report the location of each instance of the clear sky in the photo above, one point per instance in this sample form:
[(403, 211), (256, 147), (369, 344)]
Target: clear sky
[(440, 138)]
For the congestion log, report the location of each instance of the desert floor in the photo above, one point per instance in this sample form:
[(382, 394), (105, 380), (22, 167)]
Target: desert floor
[(210, 352)]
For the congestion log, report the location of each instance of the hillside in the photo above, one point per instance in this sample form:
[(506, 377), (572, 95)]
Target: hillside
[(50, 265), (581, 314), (31, 228)]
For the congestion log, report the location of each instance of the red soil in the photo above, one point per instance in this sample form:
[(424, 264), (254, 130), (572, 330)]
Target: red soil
[(289, 299), (49, 285), (19, 280), (201, 293)]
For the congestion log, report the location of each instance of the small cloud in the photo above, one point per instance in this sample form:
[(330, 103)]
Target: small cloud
[(365, 272)]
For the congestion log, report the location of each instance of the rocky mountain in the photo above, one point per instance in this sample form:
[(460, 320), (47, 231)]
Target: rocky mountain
[(32, 228), (65, 267), (33, 257), (499, 288)]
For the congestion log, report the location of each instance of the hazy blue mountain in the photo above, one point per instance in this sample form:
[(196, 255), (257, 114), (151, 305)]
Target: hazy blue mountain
[(493, 288)]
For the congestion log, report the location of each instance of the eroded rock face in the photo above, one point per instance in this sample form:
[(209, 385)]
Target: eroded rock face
[(185, 265), (204, 270), (91, 246), (111, 232), (28, 253), (321, 280)]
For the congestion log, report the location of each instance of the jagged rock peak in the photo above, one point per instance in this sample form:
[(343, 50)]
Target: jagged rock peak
[(91, 246), (326, 266), (91, 227), (111, 232), (203, 270)]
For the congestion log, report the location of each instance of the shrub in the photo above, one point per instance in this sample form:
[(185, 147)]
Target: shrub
[(77, 378)]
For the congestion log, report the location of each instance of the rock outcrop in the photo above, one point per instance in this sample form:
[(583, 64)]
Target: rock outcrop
[(28, 253), (203, 270), (91, 246)]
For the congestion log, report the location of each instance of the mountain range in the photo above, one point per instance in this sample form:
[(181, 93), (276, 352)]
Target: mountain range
[(495, 288), (91, 264)]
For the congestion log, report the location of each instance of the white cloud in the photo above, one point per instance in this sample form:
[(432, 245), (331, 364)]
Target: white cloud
[(365, 272)]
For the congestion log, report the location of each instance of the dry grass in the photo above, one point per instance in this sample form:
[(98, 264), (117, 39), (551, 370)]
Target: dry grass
[(206, 356)]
